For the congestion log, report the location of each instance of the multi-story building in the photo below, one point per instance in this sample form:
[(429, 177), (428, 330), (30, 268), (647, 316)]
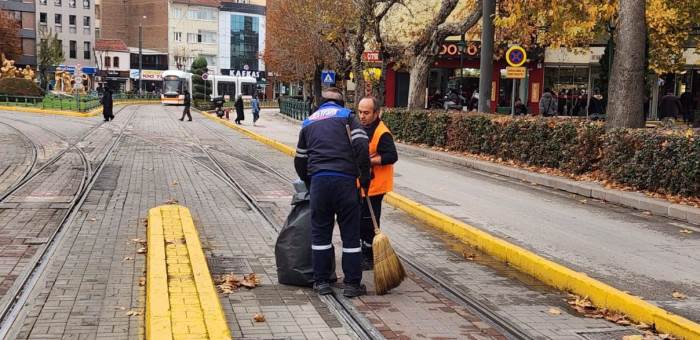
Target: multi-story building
[(73, 22), (193, 27), (121, 19), (242, 37), (23, 11)]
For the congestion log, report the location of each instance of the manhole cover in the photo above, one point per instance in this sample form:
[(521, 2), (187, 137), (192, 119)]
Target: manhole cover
[(219, 265)]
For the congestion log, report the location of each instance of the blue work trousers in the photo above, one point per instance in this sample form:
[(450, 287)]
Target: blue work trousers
[(335, 197)]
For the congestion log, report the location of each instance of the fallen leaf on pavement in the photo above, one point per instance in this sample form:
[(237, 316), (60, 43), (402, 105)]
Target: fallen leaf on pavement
[(171, 201), (686, 231), (175, 183), (584, 201), (632, 337), (679, 295), (141, 250), (469, 256), (133, 312), (250, 281), (554, 311), (92, 219), (128, 258), (259, 317), (142, 281), (646, 213)]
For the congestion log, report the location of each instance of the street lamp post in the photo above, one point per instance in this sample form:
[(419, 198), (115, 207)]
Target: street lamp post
[(141, 55), (462, 48)]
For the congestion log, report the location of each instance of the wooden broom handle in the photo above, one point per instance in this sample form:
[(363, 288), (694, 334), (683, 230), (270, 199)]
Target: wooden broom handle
[(371, 212)]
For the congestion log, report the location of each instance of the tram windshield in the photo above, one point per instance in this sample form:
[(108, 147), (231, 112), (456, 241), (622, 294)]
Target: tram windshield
[(171, 85)]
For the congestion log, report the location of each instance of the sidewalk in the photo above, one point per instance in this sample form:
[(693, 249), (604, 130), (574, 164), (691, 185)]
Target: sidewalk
[(633, 251)]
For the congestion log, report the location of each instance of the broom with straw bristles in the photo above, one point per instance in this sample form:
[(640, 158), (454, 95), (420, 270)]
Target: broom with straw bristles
[(388, 271)]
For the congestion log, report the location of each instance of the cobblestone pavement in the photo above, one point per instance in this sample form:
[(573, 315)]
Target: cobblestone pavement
[(633, 251), (91, 288), (16, 156)]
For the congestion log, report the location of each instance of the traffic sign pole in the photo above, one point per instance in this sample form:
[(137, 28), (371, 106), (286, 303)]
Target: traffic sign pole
[(512, 99)]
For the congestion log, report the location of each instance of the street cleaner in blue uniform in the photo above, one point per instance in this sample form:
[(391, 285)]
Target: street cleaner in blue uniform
[(330, 163)]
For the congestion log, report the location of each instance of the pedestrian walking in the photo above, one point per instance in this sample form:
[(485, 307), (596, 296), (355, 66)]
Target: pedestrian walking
[(670, 106), (107, 105), (186, 110), (255, 103), (331, 165), (239, 109), (548, 104), (382, 155)]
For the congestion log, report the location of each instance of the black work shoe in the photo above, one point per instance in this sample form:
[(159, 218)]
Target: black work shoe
[(323, 288), (354, 290), (367, 264)]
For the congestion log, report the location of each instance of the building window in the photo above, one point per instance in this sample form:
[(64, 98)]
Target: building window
[(86, 4), (207, 37), (116, 61), (97, 33), (86, 50), (178, 36), (28, 21), (28, 47), (108, 62), (57, 3), (177, 13), (86, 22), (245, 39), (71, 20), (201, 13), (42, 19), (191, 38), (42, 2), (98, 13), (73, 49), (71, 3), (57, 19)]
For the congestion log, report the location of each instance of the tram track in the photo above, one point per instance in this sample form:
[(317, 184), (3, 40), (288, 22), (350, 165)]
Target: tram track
[(35, 155), (507, 327), (18, 295)]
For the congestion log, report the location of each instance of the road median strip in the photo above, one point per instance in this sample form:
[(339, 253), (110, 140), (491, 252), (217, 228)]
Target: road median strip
[(92, 113), (181, 300), (549, 272)]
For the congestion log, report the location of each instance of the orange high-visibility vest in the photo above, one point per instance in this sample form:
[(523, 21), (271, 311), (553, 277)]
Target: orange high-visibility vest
[(383, 175)]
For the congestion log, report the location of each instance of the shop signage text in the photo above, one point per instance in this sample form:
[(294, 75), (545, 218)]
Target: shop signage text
[(516, 72), (371, 57), (147, 74), (244, 73), (452, 49)]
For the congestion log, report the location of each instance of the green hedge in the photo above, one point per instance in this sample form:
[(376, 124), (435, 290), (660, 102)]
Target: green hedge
[(645, 159), (19, 87)]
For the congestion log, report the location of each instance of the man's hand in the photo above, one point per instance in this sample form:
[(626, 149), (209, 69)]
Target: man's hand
[(364, 184), (375, 159)]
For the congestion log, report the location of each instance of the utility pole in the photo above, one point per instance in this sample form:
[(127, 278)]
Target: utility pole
[(486, 65), (141, 55)]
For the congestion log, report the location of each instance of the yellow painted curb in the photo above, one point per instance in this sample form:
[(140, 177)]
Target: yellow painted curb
[(92, 113), (549, 272), (181, 300)]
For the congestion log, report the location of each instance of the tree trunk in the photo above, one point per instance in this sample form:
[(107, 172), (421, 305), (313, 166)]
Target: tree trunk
[(486, 58), (419, 78), (625, 104), (316, 85)]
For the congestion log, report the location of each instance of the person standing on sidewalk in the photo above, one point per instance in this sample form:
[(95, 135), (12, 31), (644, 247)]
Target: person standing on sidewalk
[(186, 110), (329, 162), (107, 105), (382, 155), (255, 104), (239, 109)]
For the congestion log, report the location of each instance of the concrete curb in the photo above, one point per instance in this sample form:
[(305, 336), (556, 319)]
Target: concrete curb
[(181, 270), (549, 272), (588, 189)]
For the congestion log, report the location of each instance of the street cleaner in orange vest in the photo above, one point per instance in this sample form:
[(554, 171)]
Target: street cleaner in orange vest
[(383, 155)]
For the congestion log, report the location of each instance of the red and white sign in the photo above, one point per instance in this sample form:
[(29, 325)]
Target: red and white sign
[(371, 57), (453, 49)]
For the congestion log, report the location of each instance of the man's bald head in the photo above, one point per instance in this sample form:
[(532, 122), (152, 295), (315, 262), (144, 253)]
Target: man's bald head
[(368, 110)]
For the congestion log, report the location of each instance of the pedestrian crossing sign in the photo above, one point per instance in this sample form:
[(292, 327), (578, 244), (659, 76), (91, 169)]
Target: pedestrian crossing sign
[(328, 77)]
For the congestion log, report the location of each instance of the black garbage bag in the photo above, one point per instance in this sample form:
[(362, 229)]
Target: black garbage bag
[(293, 246)]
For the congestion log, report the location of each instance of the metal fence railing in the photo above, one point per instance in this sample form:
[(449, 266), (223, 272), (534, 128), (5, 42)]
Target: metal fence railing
[(70, 103), (294, 108)]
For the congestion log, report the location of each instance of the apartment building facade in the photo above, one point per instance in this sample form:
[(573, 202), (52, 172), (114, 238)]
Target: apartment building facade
[(74, 23), (24, 12), (193, 30)]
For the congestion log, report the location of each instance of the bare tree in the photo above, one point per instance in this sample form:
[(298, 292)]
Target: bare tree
[(424, 50)]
